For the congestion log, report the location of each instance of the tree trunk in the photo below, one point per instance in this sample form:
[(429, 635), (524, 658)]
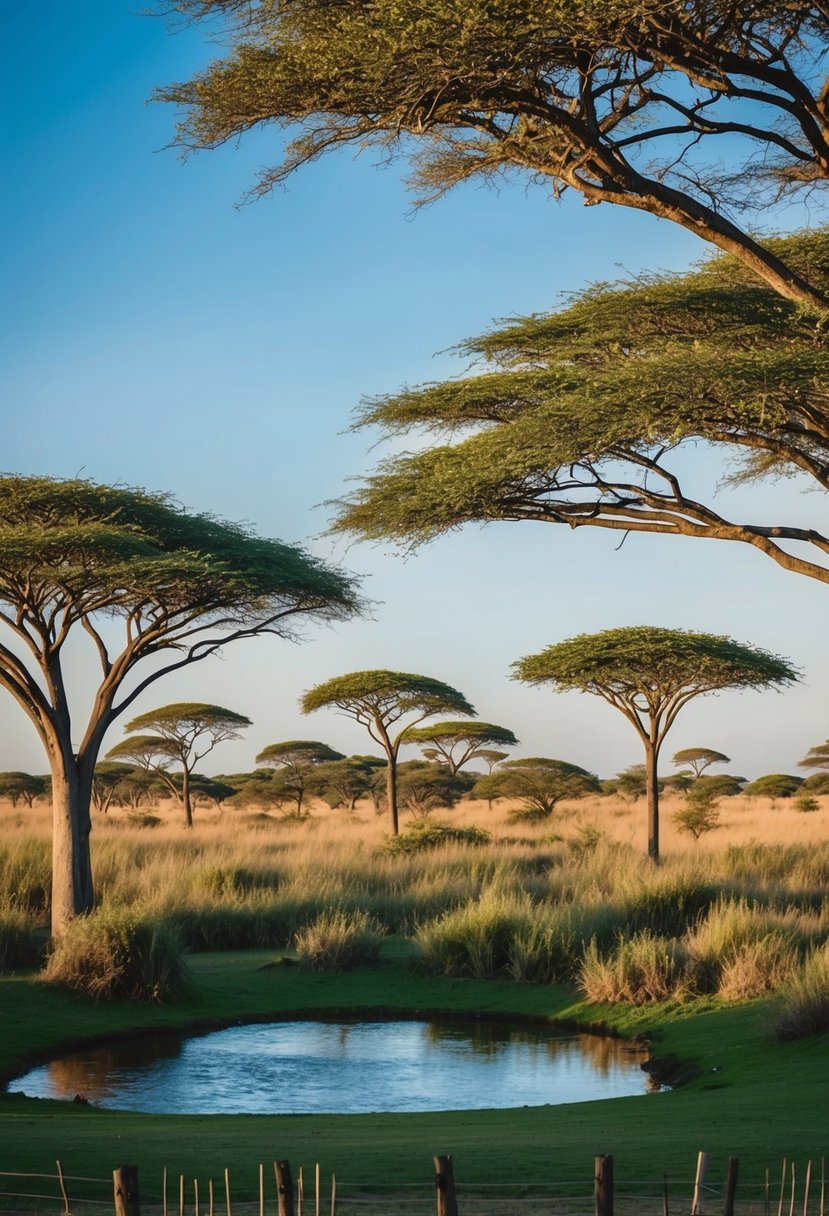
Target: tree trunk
[(391, 794), (72, 892), (185, 796), (652, 789)]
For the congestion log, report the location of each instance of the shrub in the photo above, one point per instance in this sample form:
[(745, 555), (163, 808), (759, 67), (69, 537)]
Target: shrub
[(700, 814), (804, 1009), (424, 834), (638, 970), (805, 803), (119, 953), (741, 950), (19, 945), (475, 939), (338, 941)]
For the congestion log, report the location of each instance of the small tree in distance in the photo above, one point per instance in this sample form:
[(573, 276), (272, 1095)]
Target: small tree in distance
[(650, 674), (699, 758), (379, 700), (182, 733), (456, 744), (540, 782), (25, 786), (700, 814), (295, 762)]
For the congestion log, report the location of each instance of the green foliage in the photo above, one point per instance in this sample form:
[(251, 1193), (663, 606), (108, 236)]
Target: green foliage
[(381, 695), (482, 89), (339, 941), (25, 786), (296, 762), (699, 758), (342, 782), (119, 954), (426, 834), (539, 782), (700, 814), (423, 787), (816, 757), (817, 783), (721, 785), (577, 422), (773, 785), (639, 664), (631, 784), (458, 743), (806, 804)]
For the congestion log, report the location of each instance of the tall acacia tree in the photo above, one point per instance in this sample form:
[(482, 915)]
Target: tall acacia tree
[(580, 421), (183, 733), (76, 559), (623, 101), (650, 675), (699, 759), (380, 700), (456, 744)]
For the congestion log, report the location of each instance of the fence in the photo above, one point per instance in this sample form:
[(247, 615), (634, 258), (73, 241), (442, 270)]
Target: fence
[(799, 1192)]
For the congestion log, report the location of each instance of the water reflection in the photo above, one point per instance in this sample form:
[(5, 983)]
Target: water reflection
[(342, 1067)]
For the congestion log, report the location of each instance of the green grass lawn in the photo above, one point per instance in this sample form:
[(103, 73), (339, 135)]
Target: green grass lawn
[(751, 1098)]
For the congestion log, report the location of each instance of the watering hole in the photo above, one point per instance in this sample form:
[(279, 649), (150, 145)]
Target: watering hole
[(340, 1067)]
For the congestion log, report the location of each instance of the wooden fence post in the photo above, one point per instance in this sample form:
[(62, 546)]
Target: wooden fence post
[(284, 1188), (447, 1200), (125, 1188), (699, 1183), (604, 1185), (731, 1185)]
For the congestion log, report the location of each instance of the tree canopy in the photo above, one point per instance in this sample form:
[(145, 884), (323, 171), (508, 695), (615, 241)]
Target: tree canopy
[(816, 757), (296, 761), (540, 782), (624, 101), (458, 743), (650, 674), (379, 700), (184, 732), (580, 420), (27, 786), (77, 558), (699, 758)]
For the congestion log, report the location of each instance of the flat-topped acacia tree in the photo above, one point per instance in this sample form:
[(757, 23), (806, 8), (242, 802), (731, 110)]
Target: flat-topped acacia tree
[(183, 734), (581, 416), (699, 758), (626, 102), (456, 744), (650, 674), (296, 761), (78, 560), (380, 700)]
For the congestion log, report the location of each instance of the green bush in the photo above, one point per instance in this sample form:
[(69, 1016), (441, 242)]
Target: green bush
[(119, 953), (424, 834), (804, 1009), (338, 940)]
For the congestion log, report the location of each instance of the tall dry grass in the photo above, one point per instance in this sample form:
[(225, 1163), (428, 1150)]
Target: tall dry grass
[(735, 913)]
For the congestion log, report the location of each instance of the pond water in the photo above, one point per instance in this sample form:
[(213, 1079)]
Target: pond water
[(345, 1068)]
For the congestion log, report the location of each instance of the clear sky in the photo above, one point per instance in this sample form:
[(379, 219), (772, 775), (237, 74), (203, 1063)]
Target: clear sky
[(156, 334)]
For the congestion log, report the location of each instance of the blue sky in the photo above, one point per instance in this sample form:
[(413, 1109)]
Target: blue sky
[(157, 334)]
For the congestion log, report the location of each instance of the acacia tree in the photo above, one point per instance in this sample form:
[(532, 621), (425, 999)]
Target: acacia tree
[(623, 102), (456, 744), (109, 775), (295, 762), (540, 782), (649, 675), (27, 786), (816, 757), (579, 422), (183, 734), (699, 758), (380, 700), (76, 559)]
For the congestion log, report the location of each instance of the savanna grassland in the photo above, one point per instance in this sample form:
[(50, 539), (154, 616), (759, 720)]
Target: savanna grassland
[(718, 956)]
